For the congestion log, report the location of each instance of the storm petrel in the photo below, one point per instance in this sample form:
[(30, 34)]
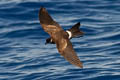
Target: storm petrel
[(60, 37)]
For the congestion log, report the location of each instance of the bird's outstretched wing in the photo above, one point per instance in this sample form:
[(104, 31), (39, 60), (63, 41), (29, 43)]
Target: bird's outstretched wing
[(48, 24), (68, 52)]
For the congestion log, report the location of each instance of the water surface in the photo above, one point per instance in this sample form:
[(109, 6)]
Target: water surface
[(24, 56)]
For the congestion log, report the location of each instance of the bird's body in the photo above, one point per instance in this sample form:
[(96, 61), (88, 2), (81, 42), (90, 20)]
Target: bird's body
[(60, 37), (71, 33)]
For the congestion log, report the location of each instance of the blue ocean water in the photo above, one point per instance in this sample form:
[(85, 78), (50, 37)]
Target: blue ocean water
[(24, 55)]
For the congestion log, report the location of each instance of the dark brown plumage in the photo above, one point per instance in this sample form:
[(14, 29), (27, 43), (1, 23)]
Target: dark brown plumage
[(59, 36), (75, 32)]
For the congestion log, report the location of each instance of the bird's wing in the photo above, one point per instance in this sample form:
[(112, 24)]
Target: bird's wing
[(48, 24), (66, 50)]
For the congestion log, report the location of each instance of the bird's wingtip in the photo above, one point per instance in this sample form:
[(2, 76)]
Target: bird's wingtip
[(42, 8)]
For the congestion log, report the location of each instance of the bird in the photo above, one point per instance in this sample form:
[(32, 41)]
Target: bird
[(60, 37), (73, 32)]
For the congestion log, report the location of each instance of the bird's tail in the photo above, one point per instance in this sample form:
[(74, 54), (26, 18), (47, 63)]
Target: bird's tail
[(76, 32)]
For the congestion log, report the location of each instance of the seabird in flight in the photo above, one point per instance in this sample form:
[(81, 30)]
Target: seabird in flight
[(60, 37)]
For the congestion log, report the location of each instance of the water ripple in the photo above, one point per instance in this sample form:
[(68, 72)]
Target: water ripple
[(24, 55)]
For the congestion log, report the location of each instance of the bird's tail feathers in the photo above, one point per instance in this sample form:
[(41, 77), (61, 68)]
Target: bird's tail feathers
[(76, 32)]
